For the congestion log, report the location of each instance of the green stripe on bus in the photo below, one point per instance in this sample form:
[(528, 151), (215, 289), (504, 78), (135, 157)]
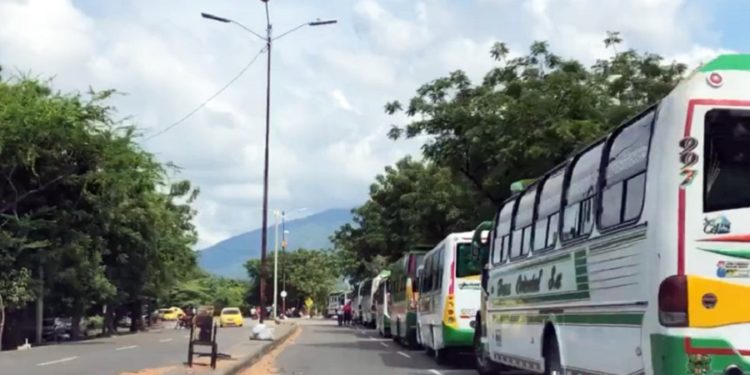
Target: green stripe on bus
[(728, 62), (580, 294), (546, 261), (621, 319), (668, 356)]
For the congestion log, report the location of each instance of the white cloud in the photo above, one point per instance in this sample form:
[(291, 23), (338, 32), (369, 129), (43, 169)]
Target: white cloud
[(328, 129)]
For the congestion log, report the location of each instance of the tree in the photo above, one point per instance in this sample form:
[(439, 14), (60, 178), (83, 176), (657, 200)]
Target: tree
[(82, 204), (412, 203), (527, 115), (309, 273), (530, 112)]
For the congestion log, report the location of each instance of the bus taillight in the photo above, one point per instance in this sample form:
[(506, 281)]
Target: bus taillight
[(673, 301)]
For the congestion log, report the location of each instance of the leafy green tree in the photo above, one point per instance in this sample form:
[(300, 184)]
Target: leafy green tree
[(84, 211), (309, 273), (530, 112), (412, 203)]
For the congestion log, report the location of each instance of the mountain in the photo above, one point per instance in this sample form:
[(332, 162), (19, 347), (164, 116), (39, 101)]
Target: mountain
[(227, 258)]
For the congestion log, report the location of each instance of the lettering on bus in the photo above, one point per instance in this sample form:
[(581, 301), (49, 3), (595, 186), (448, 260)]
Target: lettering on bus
[(555, 280), (532, 285), (688, 158), (503, 289)]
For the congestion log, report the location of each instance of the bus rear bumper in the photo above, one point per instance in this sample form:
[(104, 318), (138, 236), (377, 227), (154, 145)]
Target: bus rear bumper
[(684, 355), (458, 337)]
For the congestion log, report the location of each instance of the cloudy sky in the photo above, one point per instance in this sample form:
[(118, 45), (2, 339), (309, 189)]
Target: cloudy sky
[(328, 135)]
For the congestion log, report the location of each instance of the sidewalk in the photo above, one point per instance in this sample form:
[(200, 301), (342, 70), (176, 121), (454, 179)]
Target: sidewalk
[(233, 359)]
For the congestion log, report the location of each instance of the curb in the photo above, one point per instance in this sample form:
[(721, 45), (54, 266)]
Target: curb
[(247, 362)]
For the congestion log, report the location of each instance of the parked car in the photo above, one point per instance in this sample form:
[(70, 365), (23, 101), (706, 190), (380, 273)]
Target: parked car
[(59, 329)]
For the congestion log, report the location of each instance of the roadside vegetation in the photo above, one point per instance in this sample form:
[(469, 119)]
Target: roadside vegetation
[(527, 115), (89, 222)]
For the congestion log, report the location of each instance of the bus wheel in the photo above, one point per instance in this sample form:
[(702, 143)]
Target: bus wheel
[(440, 355), (485, 366), (552, 365)]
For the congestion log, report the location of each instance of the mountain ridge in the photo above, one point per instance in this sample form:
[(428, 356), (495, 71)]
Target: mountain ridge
[(227, 257)]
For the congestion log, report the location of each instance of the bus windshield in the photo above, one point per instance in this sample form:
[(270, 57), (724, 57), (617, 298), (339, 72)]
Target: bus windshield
[(727, 161), (467, 263)]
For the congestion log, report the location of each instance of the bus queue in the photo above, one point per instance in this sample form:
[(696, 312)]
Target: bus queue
[(630, 257)]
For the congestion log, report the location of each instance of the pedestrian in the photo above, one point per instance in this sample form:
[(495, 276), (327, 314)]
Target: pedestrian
[(348, 314), (252, 313)]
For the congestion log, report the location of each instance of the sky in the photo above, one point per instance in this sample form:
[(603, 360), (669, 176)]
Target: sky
[(329, 83)]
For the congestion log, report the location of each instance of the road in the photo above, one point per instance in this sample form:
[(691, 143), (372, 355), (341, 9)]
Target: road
[(114, 355), (323, 348)]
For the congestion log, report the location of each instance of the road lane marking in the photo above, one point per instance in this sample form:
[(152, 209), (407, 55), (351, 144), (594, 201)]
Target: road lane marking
[(127, 347), (165, 340), (67, 359), (384, 344), (404, 354), (436, 372)]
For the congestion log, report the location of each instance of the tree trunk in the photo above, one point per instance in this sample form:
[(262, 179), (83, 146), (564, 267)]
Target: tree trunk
[(110, 321), (75, 322), (135, 316)]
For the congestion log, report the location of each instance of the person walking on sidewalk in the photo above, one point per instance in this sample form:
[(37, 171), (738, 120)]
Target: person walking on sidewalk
[(348, 314)]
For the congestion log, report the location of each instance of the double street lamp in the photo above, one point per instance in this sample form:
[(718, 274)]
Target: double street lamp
[(269, 41)]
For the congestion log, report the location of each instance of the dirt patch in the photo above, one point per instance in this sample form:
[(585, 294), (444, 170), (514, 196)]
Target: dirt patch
[(267, 364), (150, 371)]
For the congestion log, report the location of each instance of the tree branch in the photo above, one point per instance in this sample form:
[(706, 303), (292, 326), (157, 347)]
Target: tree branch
[(25, 195)]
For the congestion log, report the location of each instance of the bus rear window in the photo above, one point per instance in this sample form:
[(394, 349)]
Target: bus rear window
[(467, 263), (726, 164)]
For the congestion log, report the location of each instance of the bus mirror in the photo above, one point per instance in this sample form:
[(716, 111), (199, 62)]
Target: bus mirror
[(485, 278)]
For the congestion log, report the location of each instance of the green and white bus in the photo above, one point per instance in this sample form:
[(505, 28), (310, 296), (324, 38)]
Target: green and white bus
[(633, 256), (449, 296), (404, 296), (380, 299), (365, 307)]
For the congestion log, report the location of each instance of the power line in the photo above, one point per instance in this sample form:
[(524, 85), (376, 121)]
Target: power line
[(217, 93)]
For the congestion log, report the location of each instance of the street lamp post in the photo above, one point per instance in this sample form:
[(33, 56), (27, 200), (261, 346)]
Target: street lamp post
[(269, 41)]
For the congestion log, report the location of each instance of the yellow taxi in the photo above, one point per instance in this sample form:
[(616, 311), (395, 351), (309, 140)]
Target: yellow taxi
[(172, 313), (230, 316)]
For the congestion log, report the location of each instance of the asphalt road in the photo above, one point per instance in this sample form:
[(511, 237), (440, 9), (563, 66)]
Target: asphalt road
[(114, 355), (324, 348)]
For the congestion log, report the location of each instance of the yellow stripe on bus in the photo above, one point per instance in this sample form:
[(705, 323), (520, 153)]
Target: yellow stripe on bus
[(732, 305)]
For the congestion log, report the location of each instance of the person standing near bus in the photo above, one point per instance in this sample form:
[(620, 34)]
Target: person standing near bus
[(348, 313)]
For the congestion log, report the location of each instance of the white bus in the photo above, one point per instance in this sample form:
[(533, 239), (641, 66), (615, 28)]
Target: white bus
[(633, 257), (369, 307), (449, 296), (365, 303), (357, 295), (380, 300)]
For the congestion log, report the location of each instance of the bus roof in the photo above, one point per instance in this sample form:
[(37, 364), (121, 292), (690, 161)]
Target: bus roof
[(727, 62)]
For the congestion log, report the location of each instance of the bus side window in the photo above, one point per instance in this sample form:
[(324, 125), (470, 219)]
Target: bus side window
[(625, 176), (437, 271), (581, 189), (524, 217), (548, 210), (426, 273), (502, 229)]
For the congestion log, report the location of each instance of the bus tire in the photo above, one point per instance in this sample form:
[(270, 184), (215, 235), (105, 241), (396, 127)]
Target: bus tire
[(397, 335), (484, 364), (552, 362), (440, 355)]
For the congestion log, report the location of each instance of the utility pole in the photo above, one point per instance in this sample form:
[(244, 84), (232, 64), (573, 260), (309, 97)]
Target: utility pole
[(264, 235), (283, 253), (264, 230), (275, 264)]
